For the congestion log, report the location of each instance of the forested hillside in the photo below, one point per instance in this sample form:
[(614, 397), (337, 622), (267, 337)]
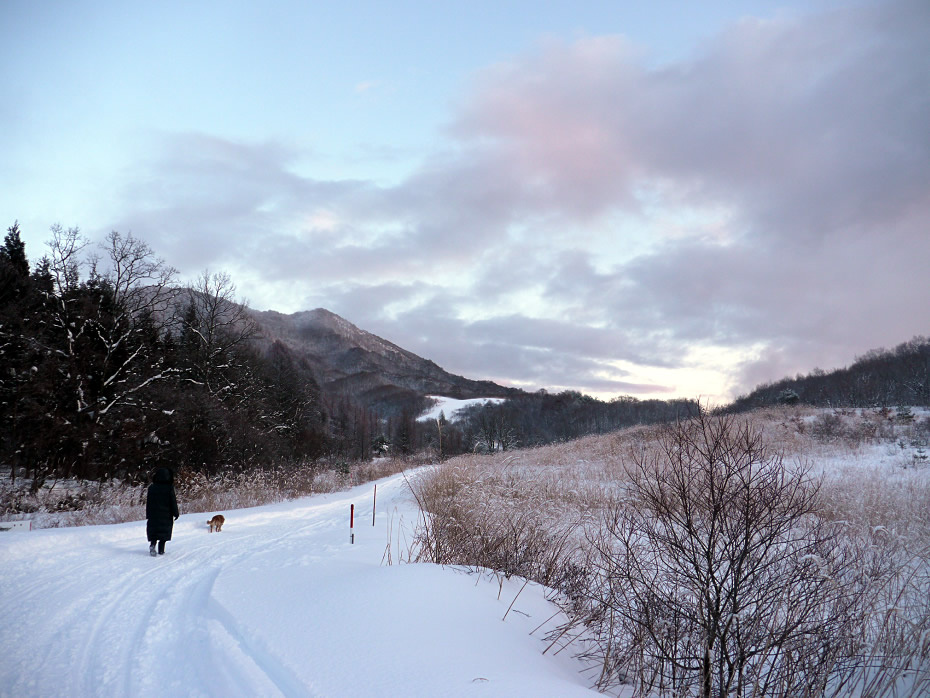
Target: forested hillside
[(534, 419), (348, 361), (879, 378)]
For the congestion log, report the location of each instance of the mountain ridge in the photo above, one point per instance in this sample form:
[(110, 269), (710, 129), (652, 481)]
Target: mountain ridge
[(347, 360)]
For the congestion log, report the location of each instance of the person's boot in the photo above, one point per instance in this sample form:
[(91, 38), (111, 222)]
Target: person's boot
[(152, 549), (161, 547)]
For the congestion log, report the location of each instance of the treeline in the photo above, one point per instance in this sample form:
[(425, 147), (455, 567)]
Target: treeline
[(880, 378), (535, 419), (110, 368)]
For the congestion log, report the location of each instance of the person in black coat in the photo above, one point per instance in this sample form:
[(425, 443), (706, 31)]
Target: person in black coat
[(161, 510)]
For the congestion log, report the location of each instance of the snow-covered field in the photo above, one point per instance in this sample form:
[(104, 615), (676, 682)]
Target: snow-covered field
[(278, 603)]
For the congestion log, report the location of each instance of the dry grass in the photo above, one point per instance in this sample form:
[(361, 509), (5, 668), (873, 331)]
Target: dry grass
[(530, 513), (74, 503), (870, 464), (869, 478)]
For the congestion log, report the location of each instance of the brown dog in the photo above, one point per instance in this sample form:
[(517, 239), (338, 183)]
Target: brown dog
[(216, 523)]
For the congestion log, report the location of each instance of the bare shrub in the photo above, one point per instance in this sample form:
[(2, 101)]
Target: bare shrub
[(713, 577), (471, 520), (828, 426)]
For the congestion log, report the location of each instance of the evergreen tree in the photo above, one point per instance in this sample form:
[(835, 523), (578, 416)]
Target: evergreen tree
[(13, 251), (14, 270)]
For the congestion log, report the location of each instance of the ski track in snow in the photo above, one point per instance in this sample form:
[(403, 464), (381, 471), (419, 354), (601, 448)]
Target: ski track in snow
[(133, 628), (88, 612)]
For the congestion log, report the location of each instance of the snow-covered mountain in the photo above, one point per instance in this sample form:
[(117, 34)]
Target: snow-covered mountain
[(348, 360)]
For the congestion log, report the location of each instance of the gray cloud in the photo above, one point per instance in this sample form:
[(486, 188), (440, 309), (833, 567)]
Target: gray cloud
[(811, 132), (806, 137)]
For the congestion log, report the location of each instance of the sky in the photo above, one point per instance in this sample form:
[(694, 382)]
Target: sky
[(658, 199)]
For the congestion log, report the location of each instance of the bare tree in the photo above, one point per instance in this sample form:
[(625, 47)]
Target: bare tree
[(129, 294), (141, 286), (64, 266), (216, 327), (714, 576), (142, 283), (493, 428), (65, 247), (486, 430)]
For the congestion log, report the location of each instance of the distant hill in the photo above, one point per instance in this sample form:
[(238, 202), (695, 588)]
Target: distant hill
[(371, 371), (879, 378)]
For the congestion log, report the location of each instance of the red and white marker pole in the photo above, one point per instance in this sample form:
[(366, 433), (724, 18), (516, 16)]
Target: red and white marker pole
[(351, 523)]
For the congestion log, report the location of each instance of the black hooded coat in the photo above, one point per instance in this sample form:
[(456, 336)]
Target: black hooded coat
[(161, 506)]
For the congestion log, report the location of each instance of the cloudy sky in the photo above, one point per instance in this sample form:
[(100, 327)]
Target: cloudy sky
[(655, 199)]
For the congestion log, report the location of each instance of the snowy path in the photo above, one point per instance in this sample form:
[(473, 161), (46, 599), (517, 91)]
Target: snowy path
[(278, 603)]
